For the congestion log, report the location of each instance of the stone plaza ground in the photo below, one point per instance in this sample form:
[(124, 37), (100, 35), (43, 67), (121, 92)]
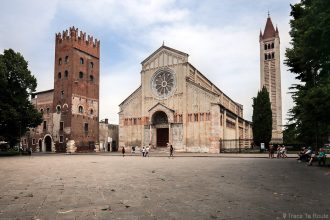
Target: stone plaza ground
[(103, 186)]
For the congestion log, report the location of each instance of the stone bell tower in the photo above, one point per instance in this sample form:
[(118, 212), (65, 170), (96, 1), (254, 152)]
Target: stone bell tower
[(270, 74), (76, 90)]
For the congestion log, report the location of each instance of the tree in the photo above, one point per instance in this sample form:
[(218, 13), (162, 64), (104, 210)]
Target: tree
[(262, 118), (309, 59), (17, 113)]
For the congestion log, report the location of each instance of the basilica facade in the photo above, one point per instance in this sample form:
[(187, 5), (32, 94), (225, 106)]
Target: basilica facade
[(177, 104)]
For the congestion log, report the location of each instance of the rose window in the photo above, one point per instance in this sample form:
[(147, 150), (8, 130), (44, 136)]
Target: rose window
[(163, 83)]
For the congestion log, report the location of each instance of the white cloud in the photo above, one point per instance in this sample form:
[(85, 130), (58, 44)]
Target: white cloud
[(226, 53)]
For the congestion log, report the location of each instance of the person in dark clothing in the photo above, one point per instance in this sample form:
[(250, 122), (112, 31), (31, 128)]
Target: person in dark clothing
[(123, 151), (171, 150)]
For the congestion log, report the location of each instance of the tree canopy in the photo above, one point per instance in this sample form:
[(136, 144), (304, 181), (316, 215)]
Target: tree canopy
[(17, 83), (309, 59), (262, 118)]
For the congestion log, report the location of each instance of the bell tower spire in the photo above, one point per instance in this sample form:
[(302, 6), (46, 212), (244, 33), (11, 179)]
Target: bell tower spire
[(270, 74)]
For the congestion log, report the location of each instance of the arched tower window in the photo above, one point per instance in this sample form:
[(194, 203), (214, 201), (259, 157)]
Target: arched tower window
[(66, 60), (81, 75), (273, 55), (265, 46), (80, 109), (269, 57), (91, 111), (268, 46), (60, 61), (272, 45), (265, 56), (59, 75), (91, 64), (81, 60), (91, 78), (66, 74), (58, 109)]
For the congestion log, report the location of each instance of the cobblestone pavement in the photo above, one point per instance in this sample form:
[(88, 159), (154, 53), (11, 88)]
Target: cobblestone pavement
[(105, 187)]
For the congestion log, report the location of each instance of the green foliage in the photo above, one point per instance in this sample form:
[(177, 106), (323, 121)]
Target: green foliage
[(17, 113), (262, 118), (309, 59)]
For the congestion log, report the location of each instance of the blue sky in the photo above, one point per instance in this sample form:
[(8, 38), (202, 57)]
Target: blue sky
[(221, 37)]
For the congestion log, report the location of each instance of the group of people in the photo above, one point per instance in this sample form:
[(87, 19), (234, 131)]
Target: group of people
[(146, 150), (280, 151), (307, 155)]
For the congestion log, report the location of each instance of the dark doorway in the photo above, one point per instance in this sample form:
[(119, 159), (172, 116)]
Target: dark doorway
[(40, 145), (162, 137), (48, 143)]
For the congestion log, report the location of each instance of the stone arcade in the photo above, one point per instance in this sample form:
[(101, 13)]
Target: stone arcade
[(177, 104)]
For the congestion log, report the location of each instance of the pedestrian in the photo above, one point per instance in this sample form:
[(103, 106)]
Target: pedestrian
[(143, 151), (283, 152), (171, 151), (278, 151), (147, 151), (271, 151), (123, 151)]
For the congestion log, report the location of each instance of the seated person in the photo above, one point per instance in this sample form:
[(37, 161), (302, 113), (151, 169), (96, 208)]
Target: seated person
[(319, 156)]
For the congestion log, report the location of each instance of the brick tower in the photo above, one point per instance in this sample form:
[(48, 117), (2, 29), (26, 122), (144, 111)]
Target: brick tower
[(270, 74), (76, 90)]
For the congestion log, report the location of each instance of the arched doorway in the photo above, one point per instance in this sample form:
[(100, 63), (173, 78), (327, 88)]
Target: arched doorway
[(160, 122), (40, 145), (48, 143)]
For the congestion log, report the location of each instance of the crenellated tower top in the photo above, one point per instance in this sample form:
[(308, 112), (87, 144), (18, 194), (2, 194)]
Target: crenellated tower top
[(78, 39)]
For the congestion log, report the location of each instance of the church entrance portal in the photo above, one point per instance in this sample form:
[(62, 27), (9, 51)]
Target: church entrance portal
[(48, 143), (162, 137), (160, 122)]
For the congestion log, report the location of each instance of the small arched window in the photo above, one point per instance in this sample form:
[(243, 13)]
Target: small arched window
[(66, 74), (91, 65), (47, 110), (265, 46), (60, 61), (269, 57), (81, 60), (41, 110), (66, 60), (80, 109), (268, 45), (59, 75), (58, 109), (81, 75), (265, 56), (91, 111), (91, 78), (273, 55), (272, 45)]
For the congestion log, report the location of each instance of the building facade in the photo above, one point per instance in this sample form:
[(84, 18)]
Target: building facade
[(270, 74), (108, 136), (177, 104), (71, 109)]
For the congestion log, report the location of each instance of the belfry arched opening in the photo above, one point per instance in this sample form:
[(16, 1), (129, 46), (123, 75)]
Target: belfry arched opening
[(160, 123)]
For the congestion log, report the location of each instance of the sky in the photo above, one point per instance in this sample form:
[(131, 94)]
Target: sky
[(220, 36)]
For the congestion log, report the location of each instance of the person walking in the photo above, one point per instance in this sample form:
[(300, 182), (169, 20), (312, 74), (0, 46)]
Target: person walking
[(271, 151), (147, 151), (171, 151), (123, 151), (143, 151)]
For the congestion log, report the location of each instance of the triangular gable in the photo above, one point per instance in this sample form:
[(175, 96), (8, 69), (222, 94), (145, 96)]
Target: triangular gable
[(164, 56), (160, 106)]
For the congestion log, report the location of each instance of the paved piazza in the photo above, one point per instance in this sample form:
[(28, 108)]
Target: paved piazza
[(113, 187)]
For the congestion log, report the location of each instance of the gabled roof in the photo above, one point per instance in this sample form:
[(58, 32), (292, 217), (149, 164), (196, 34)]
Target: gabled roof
[(269, 31), (130, 95), (161, 105), (167, 48)]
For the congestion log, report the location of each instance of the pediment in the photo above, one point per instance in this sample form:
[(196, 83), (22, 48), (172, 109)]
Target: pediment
[(164, 56)]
